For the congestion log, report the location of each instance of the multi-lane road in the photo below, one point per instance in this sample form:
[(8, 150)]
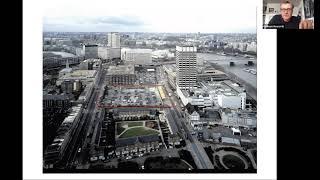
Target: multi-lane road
[(178, 125), (72, 156)]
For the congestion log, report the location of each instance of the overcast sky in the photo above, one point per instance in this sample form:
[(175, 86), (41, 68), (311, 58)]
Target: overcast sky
[(206, 16)]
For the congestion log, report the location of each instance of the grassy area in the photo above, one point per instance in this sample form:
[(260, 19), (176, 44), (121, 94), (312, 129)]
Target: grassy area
[(131, 124), (120, 129), (137, 131)]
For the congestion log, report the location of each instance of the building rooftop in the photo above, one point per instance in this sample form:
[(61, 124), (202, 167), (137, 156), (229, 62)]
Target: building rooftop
[(226, 87), (195, 93), (186, 48), (121, 69), (212, 71), (233, 86)]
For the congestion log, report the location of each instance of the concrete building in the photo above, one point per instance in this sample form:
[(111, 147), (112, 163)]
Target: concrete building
[(171, 74), (238, 118), (232, 101), (114, 40), (252, 47), (211, 74), (109, 53), (195, 97), (77, 85), (86, 93), (133, 113), (194, 119), (114, 53), (90, 64), (67, 86), (199, 118), (225, 94), (162, 54), (137, 56), (186, 60), (121, 75), (85, 76), (137, 145), (57, 61), (55, 101), (103, 52), (91, 51)]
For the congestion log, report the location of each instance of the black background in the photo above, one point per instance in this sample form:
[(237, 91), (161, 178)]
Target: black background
[(297, 89)]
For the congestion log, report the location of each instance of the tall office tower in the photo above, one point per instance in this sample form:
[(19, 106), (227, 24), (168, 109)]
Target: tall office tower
[(114, 40), (186, 60)]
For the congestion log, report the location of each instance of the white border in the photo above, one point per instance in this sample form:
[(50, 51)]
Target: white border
[(32, 105)]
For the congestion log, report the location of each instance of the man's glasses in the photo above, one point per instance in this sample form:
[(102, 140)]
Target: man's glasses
[(284, 10)]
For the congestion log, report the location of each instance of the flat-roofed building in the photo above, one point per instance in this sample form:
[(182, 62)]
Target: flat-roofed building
[(136, 56), (211, 74), (121, 75), (85, 76)]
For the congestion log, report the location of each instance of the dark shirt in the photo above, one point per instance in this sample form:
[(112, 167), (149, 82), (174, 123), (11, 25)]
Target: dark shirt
[(278, 21)]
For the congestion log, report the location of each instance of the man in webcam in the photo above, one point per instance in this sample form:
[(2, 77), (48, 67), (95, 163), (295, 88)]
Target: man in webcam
[(287, 21)]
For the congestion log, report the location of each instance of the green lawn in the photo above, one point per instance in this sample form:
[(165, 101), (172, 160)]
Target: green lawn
[(138, 131), (131, 124), (120, 129)]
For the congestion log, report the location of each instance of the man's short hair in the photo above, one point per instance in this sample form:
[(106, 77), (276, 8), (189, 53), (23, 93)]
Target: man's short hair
[(287, 2)]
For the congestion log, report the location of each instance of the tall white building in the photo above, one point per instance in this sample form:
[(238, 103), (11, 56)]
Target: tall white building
[(186, 60), (114, 40)]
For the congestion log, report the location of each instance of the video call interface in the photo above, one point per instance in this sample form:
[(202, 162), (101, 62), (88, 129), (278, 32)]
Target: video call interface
[(284, 14)]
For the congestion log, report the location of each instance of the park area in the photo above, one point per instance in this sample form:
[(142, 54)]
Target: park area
[(136, 128)]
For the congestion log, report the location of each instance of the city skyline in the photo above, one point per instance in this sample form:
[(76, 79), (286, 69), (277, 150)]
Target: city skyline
[(126, 16)]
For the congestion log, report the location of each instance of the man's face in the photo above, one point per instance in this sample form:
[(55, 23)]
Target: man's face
[(286, 11)]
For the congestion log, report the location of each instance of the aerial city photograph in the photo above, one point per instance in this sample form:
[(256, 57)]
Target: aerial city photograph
[(158, 87)]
